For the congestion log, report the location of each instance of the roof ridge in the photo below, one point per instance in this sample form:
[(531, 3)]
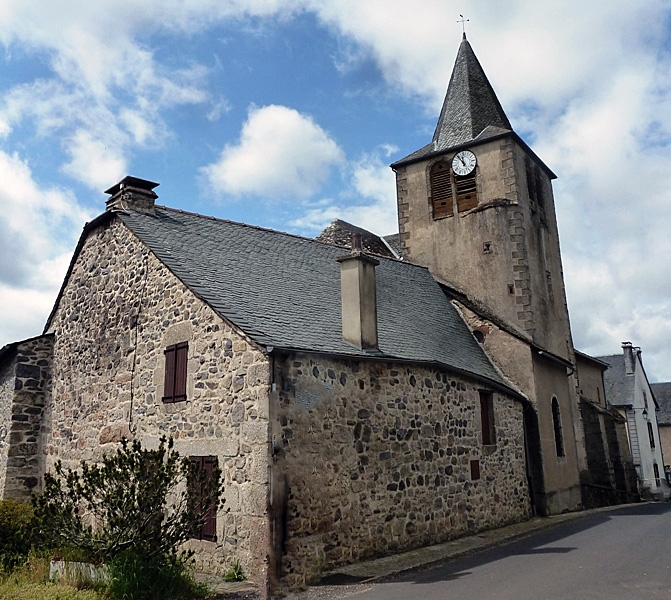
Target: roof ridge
[(277, 231)]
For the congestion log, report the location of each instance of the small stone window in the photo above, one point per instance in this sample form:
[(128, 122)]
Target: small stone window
[(556, 421), (199, 475), (487, 418), (475, 469), (174, 387), (651, 435)]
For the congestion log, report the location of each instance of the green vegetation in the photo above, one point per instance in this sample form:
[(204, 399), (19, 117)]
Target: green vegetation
[(30, 581), (235, 572), (15, 542), (129, 513)]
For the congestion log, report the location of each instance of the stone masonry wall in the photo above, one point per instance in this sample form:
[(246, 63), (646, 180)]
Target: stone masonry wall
[(378, 456), (6, 398), (22, 398), (119, 311)]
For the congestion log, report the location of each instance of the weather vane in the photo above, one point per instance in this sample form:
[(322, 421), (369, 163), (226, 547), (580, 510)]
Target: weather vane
[(463, 23)]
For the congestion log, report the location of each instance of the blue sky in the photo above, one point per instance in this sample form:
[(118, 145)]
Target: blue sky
[(287, 113)]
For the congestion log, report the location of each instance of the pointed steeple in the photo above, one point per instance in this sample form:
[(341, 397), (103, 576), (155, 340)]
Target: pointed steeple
[(470, 105)]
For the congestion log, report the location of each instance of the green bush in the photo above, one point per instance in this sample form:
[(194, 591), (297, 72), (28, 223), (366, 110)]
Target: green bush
[(15, 538), (136, 578), (135, 501)]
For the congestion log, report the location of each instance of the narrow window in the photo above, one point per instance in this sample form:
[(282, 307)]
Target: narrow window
[(475, 469), (651, 435), (441, 190), (467, 197), (174, 386), (556, 420), (487, 418), (531, 183), (645, 400), (199, 484), (655, 468)]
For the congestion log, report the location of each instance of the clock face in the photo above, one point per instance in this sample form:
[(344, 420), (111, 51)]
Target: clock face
[(463, 162)]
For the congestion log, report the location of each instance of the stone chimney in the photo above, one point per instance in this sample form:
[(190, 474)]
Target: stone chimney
[(358, 296), (628, 358), (132, 193)]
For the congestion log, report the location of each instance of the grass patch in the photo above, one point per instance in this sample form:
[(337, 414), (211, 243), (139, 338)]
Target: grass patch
[(31, 582)]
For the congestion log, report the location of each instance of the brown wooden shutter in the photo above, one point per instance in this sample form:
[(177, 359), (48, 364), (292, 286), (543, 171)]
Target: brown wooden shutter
[(441, 190), (176, 359), (181, 358), (209, 530), (467, 197), (169, 381), (487, 418)]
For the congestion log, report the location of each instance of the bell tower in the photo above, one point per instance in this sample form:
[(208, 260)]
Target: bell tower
[(475, 207)]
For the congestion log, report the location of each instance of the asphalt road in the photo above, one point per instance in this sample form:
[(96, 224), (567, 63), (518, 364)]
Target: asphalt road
[(618, 555)]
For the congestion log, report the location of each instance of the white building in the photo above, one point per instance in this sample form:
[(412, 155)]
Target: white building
[(628, 390)]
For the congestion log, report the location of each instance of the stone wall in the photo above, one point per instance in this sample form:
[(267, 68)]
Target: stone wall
[(6, 399), (377, 458), (23, 384), (118, 312)]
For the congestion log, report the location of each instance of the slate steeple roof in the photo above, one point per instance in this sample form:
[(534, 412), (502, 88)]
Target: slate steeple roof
[(470, 105), (471, 111)]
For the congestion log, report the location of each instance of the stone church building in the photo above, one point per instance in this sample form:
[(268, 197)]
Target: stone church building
[(358, 403)]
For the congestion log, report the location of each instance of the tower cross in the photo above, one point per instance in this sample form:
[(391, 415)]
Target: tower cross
[(463, 22)]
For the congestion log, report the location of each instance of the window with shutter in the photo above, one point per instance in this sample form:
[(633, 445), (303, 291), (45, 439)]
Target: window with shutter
[(204, 465), (176, 359), (467, 197), (487, 418), (441, 190)]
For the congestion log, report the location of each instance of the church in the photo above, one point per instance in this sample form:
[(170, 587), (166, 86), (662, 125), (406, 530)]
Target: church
[(362, 396)]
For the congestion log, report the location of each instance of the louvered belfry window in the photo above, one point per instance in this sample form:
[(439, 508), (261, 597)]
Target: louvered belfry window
[(174, 388), (441, 190), (204, 465), (467, 197)]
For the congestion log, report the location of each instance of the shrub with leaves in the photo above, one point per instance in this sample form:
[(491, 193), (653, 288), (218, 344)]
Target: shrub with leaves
[(15, 540), (135, 502)]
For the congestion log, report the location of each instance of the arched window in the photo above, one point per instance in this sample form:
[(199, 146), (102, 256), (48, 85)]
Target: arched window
[(441, 190), (556, 421)]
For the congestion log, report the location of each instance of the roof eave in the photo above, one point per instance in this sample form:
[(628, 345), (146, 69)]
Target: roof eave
[(473, 143)]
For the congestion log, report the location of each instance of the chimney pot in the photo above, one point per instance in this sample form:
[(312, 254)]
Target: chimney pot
[(132, 193), (628, 350)]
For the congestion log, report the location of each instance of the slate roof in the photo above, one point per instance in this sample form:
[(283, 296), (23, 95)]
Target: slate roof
[(471, 111), (619, 386), (662, 393), (339, 233), (394, 240), (284, 291)]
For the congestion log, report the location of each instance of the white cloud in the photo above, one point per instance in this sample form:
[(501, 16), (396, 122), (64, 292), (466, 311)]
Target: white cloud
[(281, 154), (39, 228), (368, 202), (92, 162)]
